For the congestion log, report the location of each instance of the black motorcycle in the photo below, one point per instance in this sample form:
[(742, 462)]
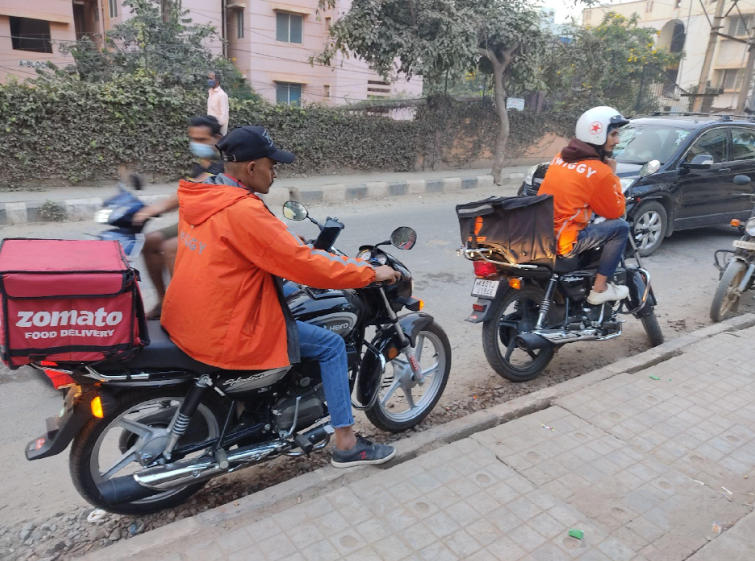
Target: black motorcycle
[(736, 267), (150, 432), (528, 307)]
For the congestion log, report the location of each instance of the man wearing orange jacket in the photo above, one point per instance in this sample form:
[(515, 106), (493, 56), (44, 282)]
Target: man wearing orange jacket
[(225, 305), (582, 180)]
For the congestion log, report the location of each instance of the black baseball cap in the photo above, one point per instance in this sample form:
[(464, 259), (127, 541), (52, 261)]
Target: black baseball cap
[(251, 142)]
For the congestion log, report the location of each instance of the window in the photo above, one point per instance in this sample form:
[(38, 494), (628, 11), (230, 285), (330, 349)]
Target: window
[(288, 27), (743, 144), (326, 91), (712, 143), (239, 24), (328, 23), (739, 26), (30, 35), (288, 94), (730, 79), (113, 8), (648, 6), (588, 15)]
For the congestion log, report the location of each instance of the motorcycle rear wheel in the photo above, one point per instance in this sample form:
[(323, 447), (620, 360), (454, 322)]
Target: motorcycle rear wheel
[(516, 313), (434, 356), (151, 409), (725, 299)]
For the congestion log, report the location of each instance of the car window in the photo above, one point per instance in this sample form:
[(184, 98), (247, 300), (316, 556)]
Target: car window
[(712, 143), (743, 144), (639, 144)]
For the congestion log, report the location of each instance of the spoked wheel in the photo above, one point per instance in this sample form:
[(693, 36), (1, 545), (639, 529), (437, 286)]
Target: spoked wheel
[(727, 295), (127, 440), (402, 402), (516, 313)]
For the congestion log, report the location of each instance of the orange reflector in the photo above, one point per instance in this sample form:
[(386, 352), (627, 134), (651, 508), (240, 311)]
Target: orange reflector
[(516, 284), (97, 408), (736, 223), (392, 353), (421, 305)]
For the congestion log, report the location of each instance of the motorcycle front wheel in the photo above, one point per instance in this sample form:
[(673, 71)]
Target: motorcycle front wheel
[(652, 329), (516, 313), (726, 298), (115, 445), (403, 403)]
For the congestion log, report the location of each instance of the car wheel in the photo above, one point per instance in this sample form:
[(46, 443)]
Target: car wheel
[(649, 227)]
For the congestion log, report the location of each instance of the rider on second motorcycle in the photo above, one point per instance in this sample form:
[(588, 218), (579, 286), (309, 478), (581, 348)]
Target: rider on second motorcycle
[(582, 180), (225, 305)]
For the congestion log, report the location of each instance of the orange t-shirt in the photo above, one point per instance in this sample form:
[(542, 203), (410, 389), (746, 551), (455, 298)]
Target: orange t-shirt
[(579, 189)]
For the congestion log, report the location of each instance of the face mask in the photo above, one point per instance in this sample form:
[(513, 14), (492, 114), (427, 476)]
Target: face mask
[(211, 83), (204, 151)]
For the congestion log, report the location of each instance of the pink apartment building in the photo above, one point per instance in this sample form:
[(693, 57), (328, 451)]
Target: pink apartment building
[(269, 42)]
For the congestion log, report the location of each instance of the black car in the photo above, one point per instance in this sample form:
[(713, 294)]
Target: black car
[(677, 173)]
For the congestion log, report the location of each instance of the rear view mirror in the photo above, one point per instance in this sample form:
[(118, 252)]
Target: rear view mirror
[(404, 238), (650, 168), (294, 210), (741, 180), (701, 161)]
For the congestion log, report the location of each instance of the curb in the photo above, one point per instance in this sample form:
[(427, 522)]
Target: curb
[(279, 497), (72, 210)]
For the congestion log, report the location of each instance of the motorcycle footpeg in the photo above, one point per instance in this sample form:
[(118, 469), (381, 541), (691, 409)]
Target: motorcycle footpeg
[(221, 458), (303, 443)]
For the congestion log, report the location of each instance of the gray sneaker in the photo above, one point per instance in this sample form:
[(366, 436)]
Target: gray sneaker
[(363, 454)]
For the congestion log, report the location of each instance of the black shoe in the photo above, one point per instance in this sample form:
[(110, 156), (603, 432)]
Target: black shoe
[(363, 454)]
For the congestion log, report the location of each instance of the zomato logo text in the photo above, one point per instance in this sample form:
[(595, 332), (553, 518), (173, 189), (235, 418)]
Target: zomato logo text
[(100, 318)]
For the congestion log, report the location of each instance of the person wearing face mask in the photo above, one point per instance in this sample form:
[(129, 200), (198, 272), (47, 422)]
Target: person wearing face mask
[(217, 101), (160, 246), (225, 304)]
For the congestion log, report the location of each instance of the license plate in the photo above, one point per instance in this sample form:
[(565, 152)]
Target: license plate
[(744, 245), (485, 288)]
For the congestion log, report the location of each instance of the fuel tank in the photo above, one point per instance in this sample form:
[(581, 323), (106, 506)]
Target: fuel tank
[(339, 311)]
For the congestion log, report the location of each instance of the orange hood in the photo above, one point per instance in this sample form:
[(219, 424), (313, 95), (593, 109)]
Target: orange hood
[(197, 202)]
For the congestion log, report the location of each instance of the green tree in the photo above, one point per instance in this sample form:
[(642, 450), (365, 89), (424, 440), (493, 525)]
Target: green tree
[(158, 40), (434, 37), (607, 65)]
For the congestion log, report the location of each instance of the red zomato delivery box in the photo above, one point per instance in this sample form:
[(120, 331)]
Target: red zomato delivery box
[(68, 301)]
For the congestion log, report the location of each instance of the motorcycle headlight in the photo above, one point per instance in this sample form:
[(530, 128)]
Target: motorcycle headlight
[(102, 216), (626, 183), (750, 227), (530, 177)]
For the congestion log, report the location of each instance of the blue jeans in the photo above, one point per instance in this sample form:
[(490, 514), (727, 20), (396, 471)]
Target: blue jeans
[(612, 236), (327, 348)]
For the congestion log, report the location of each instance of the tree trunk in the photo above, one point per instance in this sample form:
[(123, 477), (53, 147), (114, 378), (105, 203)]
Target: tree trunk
[(503, 117)]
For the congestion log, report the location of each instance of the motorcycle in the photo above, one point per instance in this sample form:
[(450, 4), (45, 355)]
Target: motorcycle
[(149, 432), (736, 267), (118, 211), (529, 311)]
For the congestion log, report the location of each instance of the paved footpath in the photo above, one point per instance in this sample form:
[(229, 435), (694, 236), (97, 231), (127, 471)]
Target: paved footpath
[(655, 465)]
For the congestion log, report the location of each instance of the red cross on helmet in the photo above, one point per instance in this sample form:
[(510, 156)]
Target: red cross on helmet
[(595, 124)]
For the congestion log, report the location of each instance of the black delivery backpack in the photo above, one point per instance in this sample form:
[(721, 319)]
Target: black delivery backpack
[(518, 228)]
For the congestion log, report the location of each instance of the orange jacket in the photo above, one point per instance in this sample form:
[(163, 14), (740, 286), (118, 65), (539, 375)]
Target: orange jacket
[(224, 306), (579, 189)]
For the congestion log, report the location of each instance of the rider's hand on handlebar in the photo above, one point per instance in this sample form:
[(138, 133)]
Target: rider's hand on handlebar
[(141, 217), (384, 273)]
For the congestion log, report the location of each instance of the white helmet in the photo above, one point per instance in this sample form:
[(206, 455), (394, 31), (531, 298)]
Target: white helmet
[(595, 124)]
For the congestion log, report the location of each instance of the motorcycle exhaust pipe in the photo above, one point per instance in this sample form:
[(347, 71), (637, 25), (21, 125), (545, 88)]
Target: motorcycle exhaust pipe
[(532, 341), (179, 474)]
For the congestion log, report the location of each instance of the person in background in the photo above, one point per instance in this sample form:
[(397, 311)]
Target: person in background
[(217, 101), (161, 245)]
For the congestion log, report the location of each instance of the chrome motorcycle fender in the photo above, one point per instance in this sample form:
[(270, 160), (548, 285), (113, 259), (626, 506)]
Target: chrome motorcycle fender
[(637, 284), (373, 362)]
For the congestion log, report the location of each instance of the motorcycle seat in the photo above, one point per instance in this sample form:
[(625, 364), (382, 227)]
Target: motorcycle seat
[(567, 264), (162, 353)]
